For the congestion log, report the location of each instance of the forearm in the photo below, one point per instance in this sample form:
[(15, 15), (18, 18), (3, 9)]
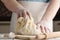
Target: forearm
[(51, 10), (12, 5)]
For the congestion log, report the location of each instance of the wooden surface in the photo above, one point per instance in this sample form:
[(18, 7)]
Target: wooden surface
[(52, 36), (20, 39)]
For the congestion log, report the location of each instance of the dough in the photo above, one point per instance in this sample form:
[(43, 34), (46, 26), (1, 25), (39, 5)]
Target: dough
[(26, 26)]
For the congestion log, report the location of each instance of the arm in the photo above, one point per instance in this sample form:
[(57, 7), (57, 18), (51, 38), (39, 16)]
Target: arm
[(16, 7), (51, 10), (12, 5), (49, 15)]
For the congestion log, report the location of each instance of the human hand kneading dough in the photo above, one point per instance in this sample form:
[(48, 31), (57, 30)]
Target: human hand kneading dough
[(43, 28), (23, 13), (26, 26)]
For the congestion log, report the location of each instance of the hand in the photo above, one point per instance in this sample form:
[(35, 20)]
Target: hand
[(23, 13), (43, 28)]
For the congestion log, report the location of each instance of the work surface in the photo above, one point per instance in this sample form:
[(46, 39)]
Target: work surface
[(20, 39), (50, 35)]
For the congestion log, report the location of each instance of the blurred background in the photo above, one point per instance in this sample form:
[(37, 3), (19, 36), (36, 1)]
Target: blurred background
[(5, 18)]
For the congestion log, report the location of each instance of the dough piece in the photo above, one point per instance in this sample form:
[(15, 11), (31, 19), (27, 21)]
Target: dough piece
[(26, 26)]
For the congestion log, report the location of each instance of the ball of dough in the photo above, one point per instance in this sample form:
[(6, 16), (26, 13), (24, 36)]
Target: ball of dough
[(27, 26)]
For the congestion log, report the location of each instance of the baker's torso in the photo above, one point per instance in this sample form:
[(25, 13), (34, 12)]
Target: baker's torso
[(36, 7)]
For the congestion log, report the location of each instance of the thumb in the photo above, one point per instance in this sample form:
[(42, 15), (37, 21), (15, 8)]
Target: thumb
[(28, 15)]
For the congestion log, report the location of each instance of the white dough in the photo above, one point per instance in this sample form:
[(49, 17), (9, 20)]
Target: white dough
[(26, 26)]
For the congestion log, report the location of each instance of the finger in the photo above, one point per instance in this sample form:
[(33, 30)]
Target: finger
[(42, 29), (46, 29), (28, 14), (49, 30), (24, 13), (20, 14)]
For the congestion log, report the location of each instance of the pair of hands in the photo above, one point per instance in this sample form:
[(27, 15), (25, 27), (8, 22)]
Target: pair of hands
[(44, 29)]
